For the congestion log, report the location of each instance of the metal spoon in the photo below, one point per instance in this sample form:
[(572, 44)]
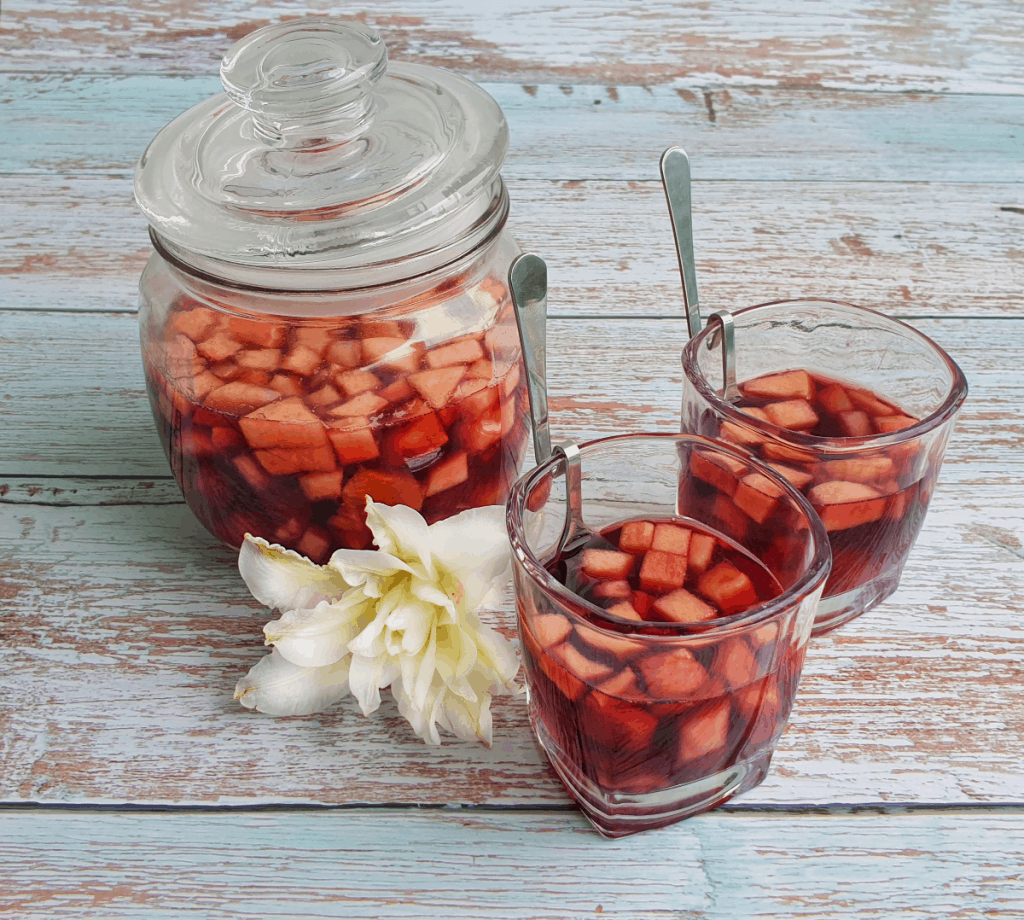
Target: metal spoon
[(528, 282), (675, 177)]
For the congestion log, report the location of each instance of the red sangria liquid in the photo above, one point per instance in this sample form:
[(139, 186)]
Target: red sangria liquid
[(871, 504), (281, 429), (641, 711)]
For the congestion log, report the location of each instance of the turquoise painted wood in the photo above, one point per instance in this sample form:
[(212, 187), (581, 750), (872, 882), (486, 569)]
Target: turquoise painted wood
[(98, 124), (384, 864)]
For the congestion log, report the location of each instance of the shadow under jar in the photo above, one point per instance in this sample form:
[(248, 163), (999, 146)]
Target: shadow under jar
[(326, 313), (663, 650), (853, 408)]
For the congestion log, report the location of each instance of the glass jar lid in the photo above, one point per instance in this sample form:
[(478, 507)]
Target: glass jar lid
[(322, 167)]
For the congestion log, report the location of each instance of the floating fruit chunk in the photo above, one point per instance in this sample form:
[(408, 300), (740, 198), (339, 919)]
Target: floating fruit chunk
[(607, 645), (281, 461), (735, 663), (357, 381), (346, 353), (671, 538), (871, 403), (259, 359), (437, 386), (740, 434), (855, 423), (680, 606), (792, 414), (464, 351), (550, 629), (636, 536), (705, 731), (256, 332), (702, 547), (834, 399), (797, 478), (448, 473), (727, 587), (625, 610), (891, 423), (757, 495), (422, 436), (353, 440), (286, 423), (619, 725), (842, 504), (320, 487), (673, 675), (364, 404), (301, 360), (606, 563), (786, 385), (719, 470), (286, 385), (618, 589), (662, 572), (239, 398), (314, 543), (196, 323), (861, 468), (390, 487)]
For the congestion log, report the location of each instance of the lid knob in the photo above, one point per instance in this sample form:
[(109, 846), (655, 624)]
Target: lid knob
[(306, 81)]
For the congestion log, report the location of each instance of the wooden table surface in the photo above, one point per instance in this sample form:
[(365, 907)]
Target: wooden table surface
[(870, 151)]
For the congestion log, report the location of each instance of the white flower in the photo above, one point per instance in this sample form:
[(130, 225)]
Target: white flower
[(402, 616)]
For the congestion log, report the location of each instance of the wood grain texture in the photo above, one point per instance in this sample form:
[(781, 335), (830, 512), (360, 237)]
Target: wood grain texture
[(59, 125), (909, 249), (973, 45), (124, 629), (73, 401), (508, 866)]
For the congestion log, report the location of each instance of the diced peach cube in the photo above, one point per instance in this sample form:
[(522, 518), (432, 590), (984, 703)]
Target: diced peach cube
[(320, 487), (286, 385), (357, 381), (225, 439), (854, 424), (786, 385), (364, 404), (314, 543), (256, 332), (672, 675), (671, 538), (702, 547), (396, 392), (484, 431), (680, 606), (835, 399), (301, 360), (481, 370), (861, 469), (353, 441), (871, 403), (636, 536), (623, 685), (757, 495), (259, 359), (218, 346), (287, 423), (618, 589), (290, 530), (225, 370), (475, 398), (719, 470), (730, 519), (390, 487), (642, 603), (197, 322), (464, 351), (704, 732), (550, 629), (256, 378), (842, 504), (727, 587), (346, 353), (739, 434), (792, 414), (382, 328), (325, 396), (661, 572), (183, 360), (609, 644), (316, 338), (240, 398), (252, 472), (618, 725), (735, 663), (285, 461), (437, 386), (448, 473), (606, 563), (625, 610), (891, 423), (579, 665), (422, 436)]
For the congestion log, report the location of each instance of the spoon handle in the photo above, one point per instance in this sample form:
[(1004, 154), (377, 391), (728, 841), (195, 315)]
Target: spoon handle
[(528, 280), (675, 177)]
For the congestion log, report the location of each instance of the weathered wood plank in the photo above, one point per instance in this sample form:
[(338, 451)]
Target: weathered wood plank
[(458, 865), (974, 45), (908, 249), (73, 400), (62, 125), (124, 630)]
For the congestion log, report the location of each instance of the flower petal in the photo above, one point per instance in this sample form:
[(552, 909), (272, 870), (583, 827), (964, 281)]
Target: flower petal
[(279, 688), (400, 531), (313, 638), (283, 579), (366, 568), (473, 545), (367, 677)]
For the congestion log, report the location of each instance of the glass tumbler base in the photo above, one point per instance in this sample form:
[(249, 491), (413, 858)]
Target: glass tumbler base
[(620, 814), (841, 608)]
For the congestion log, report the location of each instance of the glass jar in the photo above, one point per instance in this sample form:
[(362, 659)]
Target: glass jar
[(326, 314)]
